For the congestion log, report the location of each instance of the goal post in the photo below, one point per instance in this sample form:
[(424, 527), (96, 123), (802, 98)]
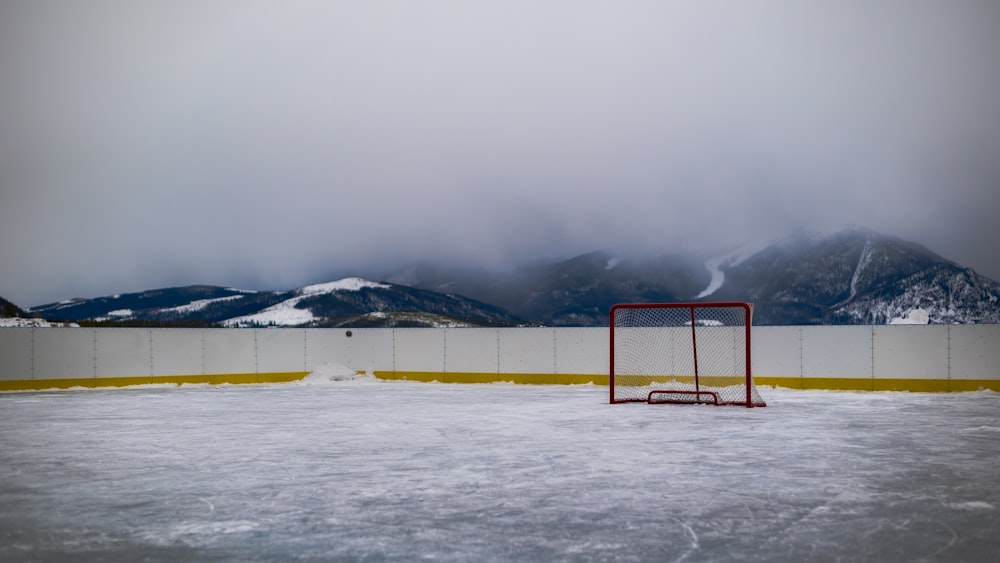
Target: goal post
[(682, 353)]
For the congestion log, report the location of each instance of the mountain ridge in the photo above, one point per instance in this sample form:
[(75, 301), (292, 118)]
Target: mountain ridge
[(853, 276), (345, 302)]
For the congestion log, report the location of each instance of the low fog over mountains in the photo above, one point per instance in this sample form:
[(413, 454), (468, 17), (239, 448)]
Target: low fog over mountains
[(849, 277)]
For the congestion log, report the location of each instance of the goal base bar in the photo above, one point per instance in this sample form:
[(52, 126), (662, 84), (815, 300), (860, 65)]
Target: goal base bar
[(713, 397)]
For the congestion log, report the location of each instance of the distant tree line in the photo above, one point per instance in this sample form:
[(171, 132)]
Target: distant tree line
[(9, 310)]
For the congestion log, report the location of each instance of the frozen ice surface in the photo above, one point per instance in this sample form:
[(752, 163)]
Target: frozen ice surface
[(340, 469)]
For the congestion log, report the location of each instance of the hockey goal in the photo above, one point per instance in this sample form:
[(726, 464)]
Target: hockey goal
[(682, 353)]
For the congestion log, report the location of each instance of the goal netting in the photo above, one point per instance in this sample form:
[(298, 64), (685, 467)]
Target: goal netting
[(682, 353)]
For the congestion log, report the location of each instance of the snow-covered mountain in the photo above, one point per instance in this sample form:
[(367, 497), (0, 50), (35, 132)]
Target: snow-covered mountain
[(351, 302), (853, 276), (857, 276)]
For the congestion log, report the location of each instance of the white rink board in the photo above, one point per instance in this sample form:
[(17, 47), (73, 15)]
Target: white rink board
[(776, 351), (178, 351), (471, 350), (280, 350), (528, 350), (957, 352), (369, 349), (418, 349), (327, 345), (911, 352), (230, 350), (582, 350), (975, 351), (837, 351), (123, 352), (15, 351), (64, 353)]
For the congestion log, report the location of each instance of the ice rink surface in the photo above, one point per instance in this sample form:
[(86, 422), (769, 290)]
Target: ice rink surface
[(363, 470)]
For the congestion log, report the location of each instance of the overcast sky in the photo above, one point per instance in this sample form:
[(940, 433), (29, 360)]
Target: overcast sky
[(272, 144)]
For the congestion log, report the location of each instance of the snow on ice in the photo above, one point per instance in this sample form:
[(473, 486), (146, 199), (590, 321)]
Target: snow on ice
[(346, 467)]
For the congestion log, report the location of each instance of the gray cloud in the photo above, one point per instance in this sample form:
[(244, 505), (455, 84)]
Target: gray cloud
[(266, 145)]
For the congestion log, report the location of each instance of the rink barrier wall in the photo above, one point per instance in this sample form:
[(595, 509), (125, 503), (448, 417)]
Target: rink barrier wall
[(94, 382), (874, 358)]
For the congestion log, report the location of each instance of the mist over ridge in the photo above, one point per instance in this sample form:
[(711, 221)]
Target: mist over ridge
[(248, 144), (854, 276)]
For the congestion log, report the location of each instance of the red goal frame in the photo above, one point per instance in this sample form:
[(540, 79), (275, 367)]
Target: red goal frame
[(750, 399)]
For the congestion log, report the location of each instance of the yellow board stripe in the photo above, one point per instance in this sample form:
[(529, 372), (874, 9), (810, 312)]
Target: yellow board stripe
[(93, 382), (871, 384), (474, 377), (817, 383)]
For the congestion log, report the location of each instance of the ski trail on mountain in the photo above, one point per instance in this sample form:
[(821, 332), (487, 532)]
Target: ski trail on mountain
[(734, 258), (866, 256), (718, 276)]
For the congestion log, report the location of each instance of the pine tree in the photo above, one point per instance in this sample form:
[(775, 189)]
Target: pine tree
[(9, 310)]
